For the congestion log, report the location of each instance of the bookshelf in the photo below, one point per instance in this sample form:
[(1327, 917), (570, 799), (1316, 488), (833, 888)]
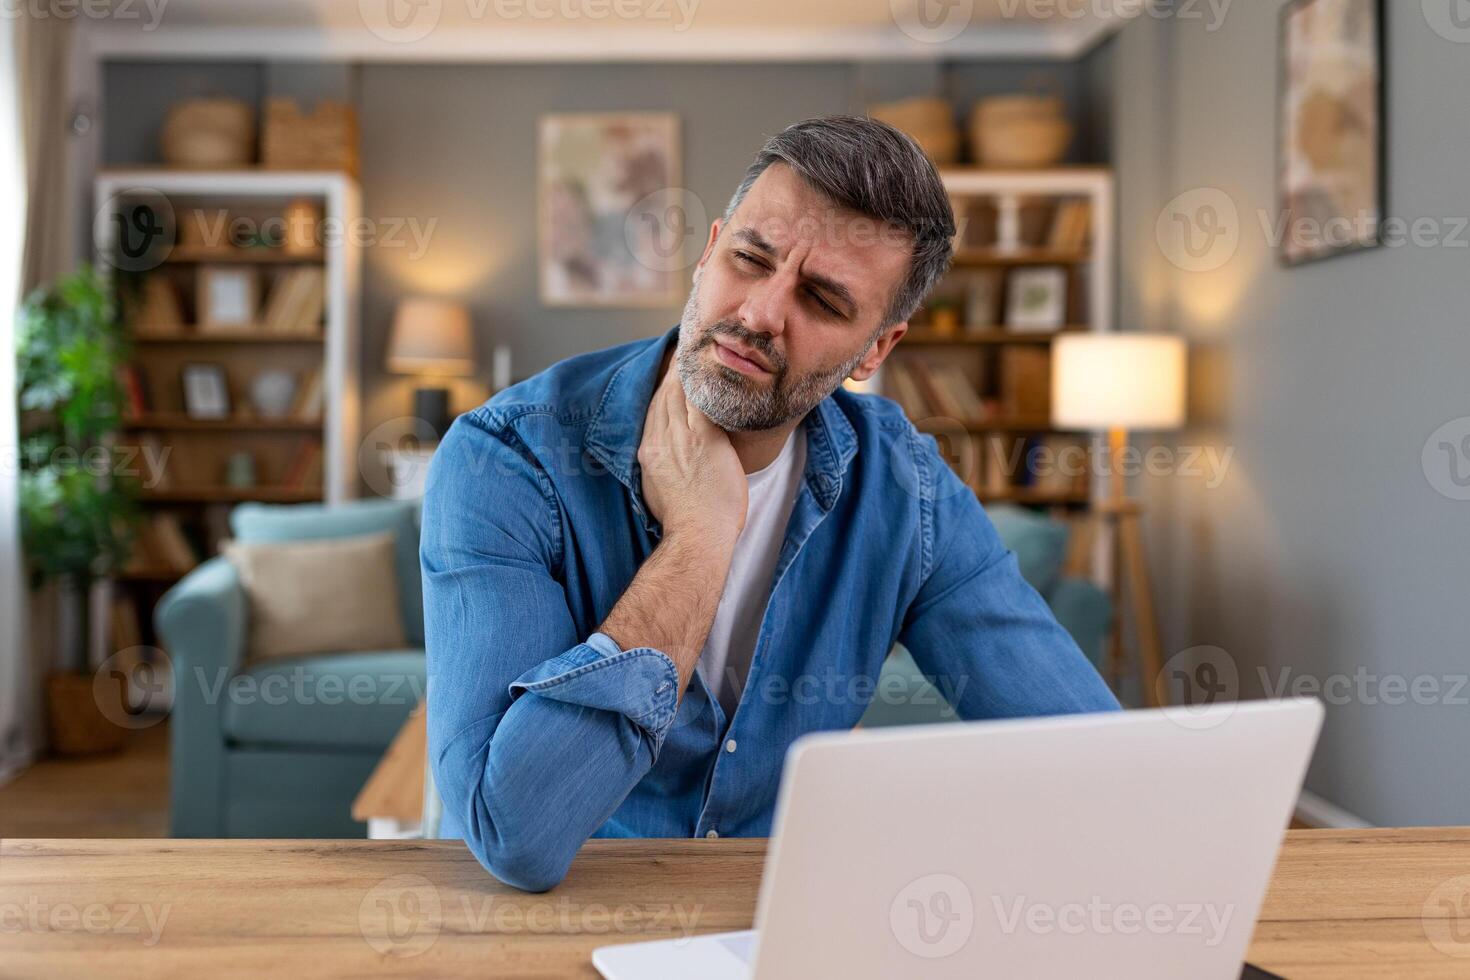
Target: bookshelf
[(299, 332), (1033, 260)]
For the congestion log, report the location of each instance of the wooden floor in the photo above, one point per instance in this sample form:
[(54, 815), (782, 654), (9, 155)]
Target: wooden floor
[(122, 794)]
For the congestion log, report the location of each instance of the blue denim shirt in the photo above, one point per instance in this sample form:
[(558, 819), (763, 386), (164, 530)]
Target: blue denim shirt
[(542, 732)]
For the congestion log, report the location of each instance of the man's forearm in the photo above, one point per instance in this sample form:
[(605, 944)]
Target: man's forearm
[(671, 602)]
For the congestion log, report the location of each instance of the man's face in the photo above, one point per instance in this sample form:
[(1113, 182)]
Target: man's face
[(788, 300)]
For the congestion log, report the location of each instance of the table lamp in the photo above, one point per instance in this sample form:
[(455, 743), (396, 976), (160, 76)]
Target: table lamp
[(431, 338), (1117, 382)]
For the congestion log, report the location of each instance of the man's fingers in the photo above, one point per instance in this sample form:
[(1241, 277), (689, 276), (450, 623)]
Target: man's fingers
[(698, 421), (676, 403)]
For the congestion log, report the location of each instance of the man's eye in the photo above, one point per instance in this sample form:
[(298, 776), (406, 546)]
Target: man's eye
[(746, 257), (826, 306)]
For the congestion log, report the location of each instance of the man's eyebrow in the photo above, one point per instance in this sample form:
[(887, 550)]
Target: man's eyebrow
[(755, 240), (838, 292), (835, 290)]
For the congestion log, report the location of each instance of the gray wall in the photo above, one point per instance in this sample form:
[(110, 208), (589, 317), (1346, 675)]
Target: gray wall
[(452, 149), (1326, 552)]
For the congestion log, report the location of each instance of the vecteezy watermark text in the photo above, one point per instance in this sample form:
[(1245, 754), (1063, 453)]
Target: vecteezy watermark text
[(94, 918), (150, 12), (1099, 917)]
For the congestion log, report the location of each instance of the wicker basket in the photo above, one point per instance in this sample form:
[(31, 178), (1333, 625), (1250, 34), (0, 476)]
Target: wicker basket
[(1024, 131), (76, 723), (207, 134), (929, 121), (325, 139)]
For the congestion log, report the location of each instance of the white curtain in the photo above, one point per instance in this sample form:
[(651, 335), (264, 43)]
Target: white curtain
[(35, 245), (15, 682)]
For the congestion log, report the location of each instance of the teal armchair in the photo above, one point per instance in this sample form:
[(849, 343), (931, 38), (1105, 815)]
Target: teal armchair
[(280, 748), (1083, 609)]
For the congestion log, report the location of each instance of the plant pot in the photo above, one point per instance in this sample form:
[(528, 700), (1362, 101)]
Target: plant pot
[(77, 724)]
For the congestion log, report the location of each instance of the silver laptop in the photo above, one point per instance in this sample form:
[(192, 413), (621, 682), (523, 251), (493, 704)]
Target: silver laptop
[(1136, 844)]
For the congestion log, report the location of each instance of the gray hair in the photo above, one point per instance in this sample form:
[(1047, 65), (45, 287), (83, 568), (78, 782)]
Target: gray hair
[(869, 167)]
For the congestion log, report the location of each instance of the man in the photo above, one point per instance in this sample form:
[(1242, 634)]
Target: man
[(648, 569)]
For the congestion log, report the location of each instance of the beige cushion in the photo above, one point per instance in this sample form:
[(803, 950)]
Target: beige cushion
[(330, 595)]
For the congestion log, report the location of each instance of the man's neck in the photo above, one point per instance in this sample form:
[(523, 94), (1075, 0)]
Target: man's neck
[(757, 450)]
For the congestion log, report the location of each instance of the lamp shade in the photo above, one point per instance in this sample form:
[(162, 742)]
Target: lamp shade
[(431, 336), (1118, 381)]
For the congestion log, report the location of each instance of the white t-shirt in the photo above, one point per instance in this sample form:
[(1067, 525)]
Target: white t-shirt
[(725, 660)]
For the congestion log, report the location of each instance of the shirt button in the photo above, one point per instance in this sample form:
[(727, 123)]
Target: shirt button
[(711, 834), (730, 745), (661, 688)]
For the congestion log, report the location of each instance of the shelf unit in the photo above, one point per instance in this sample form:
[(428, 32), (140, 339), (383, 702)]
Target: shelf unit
[(1007, 222), (335, 350), (196, 497)]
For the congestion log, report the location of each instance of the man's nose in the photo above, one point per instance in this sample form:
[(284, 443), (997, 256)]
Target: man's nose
[(765, 307)]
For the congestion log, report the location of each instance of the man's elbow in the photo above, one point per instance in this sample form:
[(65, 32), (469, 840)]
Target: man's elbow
[(522, 864), (524, 856)]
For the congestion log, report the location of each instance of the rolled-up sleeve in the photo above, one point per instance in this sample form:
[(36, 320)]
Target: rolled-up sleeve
[(536, 734), (641, 684)]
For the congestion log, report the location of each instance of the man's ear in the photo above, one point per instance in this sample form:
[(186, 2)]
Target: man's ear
[(879, 352), (709, 246)]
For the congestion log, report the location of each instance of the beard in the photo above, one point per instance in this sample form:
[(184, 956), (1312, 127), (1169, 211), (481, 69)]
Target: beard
[(737, 402)]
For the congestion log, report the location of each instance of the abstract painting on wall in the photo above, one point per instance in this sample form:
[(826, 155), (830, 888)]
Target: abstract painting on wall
[(606, 183), (1332, 128)]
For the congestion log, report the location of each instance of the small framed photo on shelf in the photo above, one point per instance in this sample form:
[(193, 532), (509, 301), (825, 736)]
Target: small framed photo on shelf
[(1036, 299), (206, 391), (227, 298)]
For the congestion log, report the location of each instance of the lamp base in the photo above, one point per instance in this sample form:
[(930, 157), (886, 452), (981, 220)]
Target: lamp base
[(431, 406)]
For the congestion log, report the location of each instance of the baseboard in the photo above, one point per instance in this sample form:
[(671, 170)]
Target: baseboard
[(1317, 813)]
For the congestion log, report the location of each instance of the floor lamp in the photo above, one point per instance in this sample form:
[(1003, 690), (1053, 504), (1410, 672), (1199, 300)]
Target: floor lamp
[(1117, 383)]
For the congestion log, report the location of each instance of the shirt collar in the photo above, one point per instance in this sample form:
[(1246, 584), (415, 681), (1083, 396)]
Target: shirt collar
[(617, 427)]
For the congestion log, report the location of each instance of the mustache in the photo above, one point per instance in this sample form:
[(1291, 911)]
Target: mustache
[(750, 338)]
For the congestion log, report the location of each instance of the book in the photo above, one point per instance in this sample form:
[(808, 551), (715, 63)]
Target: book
[(304, 465), (126, 632), (960, 392), (144, 556), (295, 304), (1071, 225), (996, 465), (135, 394), (272, 313), (938, 397), (1025, 381), (899, 384), (307, 320), (310, 398), (982, 300), (156, 310), (173, 547)]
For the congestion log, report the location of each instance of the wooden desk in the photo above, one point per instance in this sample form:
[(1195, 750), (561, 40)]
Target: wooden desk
[(1343, 904)]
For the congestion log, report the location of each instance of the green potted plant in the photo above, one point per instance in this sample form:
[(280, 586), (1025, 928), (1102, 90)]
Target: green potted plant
[(77, 510)]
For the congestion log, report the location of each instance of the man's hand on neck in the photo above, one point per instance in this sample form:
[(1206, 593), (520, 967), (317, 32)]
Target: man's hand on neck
[(756, 450), (693, 484)]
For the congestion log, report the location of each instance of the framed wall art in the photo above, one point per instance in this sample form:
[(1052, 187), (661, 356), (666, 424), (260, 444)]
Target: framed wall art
[(1332, 126), (613, 229)]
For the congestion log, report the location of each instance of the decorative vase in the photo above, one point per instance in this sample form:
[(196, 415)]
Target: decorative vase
[(272, 393), (240, 471)]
